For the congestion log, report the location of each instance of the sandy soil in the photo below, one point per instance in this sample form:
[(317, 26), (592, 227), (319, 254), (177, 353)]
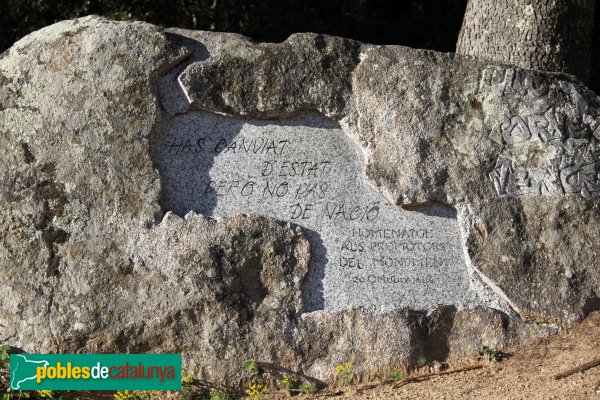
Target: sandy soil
[(527, 374)]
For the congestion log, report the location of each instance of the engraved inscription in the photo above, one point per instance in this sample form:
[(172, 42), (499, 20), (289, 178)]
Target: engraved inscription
[(365, 251), (533, 141), (518, 181), (584, 179)]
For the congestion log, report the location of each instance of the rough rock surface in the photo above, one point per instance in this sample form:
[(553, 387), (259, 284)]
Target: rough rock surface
[(90, 261)]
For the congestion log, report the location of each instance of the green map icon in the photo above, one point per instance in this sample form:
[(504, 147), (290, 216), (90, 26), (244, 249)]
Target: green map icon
[(23, 369)]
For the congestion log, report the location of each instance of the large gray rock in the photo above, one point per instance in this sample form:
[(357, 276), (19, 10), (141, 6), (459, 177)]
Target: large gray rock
[(108, 243)]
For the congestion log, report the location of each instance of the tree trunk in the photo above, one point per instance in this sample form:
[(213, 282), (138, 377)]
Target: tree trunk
[(548, 35)]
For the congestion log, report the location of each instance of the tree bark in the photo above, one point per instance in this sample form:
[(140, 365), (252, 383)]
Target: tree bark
[(548, 35)]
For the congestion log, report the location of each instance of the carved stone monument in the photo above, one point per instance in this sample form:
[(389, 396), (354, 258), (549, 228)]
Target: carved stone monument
[(304, 203), (308, 172)]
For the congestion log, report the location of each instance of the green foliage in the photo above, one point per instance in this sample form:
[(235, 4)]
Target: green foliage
[(124, 395), (307, 387), (252, 366), (397, 375), (136, 395), (4, 372), (5, 353), (344, 372), (46, 394), (422, 362), (256, 391), (490, 353), (16, 395), (37, 394), (187, 379), (192, 390), (288, 383), (189, 392), (216, 394)]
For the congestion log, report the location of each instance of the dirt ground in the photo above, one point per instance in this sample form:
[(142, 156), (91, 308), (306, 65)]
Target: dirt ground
[(527, 374)]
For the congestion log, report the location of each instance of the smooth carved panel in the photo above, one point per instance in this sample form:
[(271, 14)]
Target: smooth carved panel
[(308, 172)]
